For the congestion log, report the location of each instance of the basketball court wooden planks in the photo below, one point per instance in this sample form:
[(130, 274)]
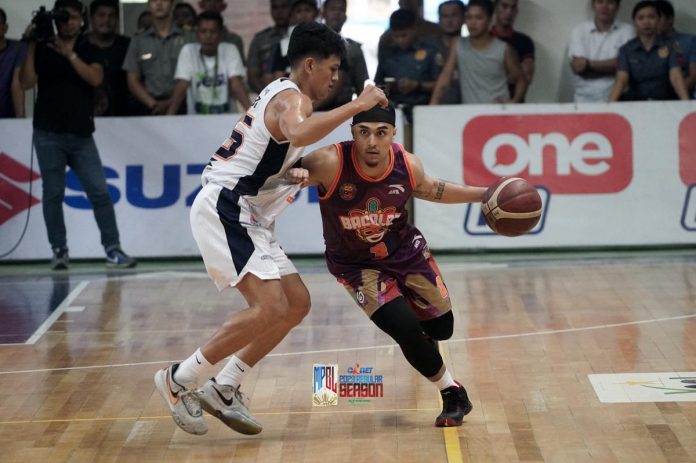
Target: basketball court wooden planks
[(526, 338)]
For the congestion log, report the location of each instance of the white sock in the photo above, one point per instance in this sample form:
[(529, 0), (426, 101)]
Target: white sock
[(191, 369), (233, 373), (445, 381)]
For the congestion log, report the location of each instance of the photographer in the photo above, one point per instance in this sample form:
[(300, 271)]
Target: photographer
[(66, 71)]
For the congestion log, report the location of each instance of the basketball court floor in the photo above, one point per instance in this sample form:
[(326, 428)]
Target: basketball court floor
[(566, 357)]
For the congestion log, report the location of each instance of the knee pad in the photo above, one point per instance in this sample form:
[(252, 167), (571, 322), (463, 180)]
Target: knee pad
[(439, 328), (397, 319)]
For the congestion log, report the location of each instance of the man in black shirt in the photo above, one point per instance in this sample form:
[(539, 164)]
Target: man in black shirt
[(353, 71), (112, 96), (67, 72)]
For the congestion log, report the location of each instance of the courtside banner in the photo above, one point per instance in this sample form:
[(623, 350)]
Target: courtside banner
[(153, 167), (609, 174)]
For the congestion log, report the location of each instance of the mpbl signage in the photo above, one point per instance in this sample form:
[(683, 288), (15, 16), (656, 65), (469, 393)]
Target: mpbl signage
[(566, 153)]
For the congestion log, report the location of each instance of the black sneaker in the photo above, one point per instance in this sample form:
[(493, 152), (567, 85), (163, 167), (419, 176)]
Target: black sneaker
[(60, 259), (455, 404), (116, 258)]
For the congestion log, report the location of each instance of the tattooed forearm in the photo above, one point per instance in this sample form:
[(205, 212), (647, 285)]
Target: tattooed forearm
[(432, 192), (440, 190)]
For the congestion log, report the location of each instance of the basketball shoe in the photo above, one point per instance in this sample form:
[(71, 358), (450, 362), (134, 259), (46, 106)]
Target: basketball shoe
[(226, 403), (455, 404), (183, 402)]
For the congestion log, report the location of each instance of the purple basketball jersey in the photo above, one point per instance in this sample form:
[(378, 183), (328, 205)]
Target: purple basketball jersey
[(365, 219)]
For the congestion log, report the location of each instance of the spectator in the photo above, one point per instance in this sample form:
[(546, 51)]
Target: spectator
[(184, 16), (67, 71), (505, 15), (648, 66), (684, 45), (210, 71), (111, 97), (264, 44), (151, 59), (408, 69), (594, 47), (12, 54), (452, 14), (301, 11), (218, 6), (144, 20), (485, 63), (353, 72), (425, 30)]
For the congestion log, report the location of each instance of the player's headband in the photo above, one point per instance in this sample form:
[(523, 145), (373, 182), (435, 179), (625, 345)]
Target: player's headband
[(377, 114)]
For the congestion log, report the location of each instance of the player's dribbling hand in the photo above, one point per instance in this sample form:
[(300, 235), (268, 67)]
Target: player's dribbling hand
[(297, 175), (372, 96)]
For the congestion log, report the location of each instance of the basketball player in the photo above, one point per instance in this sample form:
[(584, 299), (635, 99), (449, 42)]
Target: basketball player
[(232, 218), (382, 260)]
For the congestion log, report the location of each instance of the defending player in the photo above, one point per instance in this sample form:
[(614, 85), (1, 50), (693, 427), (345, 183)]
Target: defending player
[(232, 219), (382, 260)]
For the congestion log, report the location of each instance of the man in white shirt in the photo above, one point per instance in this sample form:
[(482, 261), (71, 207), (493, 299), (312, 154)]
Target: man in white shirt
[(209, 72), (594, 47)]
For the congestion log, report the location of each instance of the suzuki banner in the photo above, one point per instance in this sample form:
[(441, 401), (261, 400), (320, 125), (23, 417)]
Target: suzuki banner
[(153, 167), (609, 174)]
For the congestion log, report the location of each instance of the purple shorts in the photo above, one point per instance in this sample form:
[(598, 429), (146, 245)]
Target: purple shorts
[(410, 272)]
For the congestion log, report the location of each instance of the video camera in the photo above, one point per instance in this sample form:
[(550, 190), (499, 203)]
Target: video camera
[(43, 21)]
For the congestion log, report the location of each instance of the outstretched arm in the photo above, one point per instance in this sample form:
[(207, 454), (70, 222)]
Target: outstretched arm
[(319, 168), (293, 110), (441, 191)]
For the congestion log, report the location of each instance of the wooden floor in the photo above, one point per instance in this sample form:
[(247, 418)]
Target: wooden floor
[(527, 335)]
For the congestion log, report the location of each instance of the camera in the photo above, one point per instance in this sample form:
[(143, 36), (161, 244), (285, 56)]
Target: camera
[(43, 20)]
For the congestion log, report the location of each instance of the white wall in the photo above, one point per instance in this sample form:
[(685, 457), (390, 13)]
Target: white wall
[(549, 23)]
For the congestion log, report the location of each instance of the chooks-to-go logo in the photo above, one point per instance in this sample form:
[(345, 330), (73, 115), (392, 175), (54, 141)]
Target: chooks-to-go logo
[(13, 199)]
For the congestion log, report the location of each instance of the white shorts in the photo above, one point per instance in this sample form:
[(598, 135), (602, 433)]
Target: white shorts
[(231, 241)]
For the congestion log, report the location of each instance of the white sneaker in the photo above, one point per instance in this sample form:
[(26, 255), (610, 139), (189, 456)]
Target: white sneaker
[(226, 403), (183, 403)]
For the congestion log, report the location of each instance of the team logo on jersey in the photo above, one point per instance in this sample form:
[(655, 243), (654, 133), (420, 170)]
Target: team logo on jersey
[(396, 189), (417, 241), (347, 191), (372, 223)]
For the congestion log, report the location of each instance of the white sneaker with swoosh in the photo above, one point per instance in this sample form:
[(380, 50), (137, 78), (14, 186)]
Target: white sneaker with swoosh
[(226, 403), (183, 403)]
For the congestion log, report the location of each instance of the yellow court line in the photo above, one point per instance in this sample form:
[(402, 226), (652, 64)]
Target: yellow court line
[(451, 435), (162, 417)]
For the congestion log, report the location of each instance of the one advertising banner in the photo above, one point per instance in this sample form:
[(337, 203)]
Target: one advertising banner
[(153, 167), (608, 174)]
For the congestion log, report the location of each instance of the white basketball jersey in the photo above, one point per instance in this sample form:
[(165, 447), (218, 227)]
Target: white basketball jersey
[(252, 163)]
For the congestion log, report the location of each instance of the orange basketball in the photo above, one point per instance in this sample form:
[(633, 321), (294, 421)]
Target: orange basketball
[(511, 206)]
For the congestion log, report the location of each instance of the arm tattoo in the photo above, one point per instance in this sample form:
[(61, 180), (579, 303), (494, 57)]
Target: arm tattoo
[(440, 189)]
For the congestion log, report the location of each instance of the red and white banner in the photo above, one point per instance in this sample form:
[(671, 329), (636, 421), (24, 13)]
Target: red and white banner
[(153, 167), (609, 174)]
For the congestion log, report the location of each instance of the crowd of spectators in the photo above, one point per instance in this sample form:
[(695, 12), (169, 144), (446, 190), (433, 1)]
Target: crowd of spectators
[(183, 59)]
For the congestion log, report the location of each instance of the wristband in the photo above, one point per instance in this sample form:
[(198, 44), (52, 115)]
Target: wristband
[(73, 56)]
